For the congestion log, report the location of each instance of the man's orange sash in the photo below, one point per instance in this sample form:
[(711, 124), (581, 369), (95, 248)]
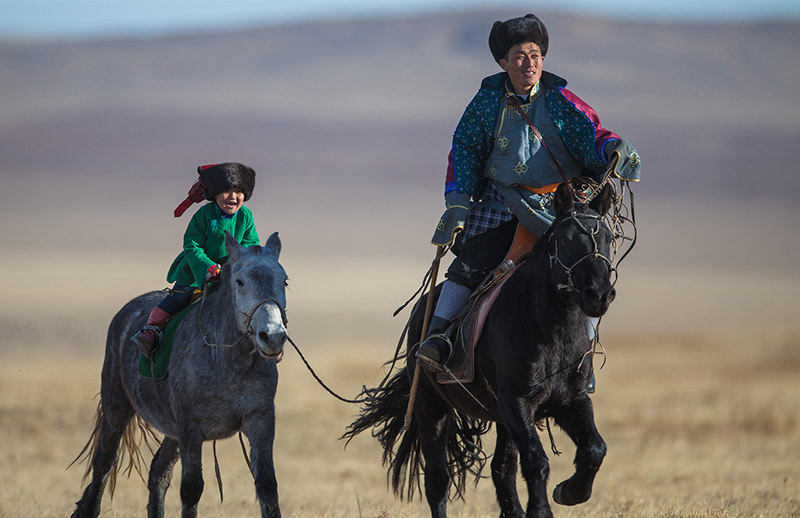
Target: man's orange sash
[(523, 239)]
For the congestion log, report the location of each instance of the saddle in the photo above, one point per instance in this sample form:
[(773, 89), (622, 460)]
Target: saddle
[(467, 327)]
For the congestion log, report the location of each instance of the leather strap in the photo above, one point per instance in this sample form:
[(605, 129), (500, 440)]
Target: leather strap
[(512, 100)]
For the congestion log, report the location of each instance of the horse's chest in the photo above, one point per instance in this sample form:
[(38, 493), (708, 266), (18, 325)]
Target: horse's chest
[(544, 385), (222, 417), (222, 412)]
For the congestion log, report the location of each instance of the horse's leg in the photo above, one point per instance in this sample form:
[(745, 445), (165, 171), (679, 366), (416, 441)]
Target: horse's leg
[(504, 475), (160, 476), (105, 457), (577, 421), (261, 434), (114, 414), (433, 426), (191, 450), (533, 460)]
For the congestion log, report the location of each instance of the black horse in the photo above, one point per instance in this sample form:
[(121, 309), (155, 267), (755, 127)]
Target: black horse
[(532, 363)]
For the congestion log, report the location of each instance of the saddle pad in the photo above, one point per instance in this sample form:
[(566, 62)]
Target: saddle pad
[(156, 366), (470, 326)]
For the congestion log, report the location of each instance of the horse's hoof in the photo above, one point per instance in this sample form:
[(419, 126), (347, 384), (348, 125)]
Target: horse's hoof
[(561, 495), (557, 494)]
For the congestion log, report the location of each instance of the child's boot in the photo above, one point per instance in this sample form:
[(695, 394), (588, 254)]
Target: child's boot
[(147, 338)]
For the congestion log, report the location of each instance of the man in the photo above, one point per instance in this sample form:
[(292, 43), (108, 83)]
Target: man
[(503, 172)]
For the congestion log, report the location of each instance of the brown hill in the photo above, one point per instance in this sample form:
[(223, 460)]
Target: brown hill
[(685, 94)]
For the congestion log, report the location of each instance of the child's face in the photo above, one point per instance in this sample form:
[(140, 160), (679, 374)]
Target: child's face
[(230, 201)]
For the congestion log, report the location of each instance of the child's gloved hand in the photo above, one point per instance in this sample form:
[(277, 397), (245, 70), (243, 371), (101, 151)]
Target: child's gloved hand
[(213, 272)]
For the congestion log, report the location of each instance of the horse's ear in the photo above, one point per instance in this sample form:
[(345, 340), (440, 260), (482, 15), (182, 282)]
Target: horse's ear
[(602, 203), (233, 247), (563, 200), (273, 245)]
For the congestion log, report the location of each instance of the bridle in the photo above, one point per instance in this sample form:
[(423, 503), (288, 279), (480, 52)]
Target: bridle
[(247, 321), (555, 258)]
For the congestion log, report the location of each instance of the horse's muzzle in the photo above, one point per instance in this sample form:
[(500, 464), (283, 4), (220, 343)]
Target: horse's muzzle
[(595, 302), (271, 335), (270, 343)]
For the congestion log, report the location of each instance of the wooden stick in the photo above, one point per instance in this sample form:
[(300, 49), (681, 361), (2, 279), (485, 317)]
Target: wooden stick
[(412, 396)]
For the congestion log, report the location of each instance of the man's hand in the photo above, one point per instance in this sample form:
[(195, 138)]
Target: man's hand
[(451, 223), (623, 160)]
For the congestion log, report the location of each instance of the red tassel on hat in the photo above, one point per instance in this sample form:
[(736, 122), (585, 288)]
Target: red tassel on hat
[(197, 193)]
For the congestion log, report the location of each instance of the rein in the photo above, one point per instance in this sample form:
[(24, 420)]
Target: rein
[(248, 320), (322, 383)]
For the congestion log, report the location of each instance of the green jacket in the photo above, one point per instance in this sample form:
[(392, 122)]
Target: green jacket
[(204, 242)]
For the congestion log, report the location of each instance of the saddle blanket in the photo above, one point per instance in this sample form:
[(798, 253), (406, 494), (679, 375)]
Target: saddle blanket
[(469, 325), (156, 366)]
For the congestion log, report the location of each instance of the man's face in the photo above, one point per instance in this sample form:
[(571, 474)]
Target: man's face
[(523, 62)]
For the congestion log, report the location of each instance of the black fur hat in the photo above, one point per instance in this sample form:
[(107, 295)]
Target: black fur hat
[(228, 175), (505, 35)]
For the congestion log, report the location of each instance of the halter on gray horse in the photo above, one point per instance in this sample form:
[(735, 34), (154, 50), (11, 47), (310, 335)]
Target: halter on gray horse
[(222, 379)]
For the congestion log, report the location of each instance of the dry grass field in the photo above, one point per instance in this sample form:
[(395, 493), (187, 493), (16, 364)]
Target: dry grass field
[(698, 426), (698, 400)]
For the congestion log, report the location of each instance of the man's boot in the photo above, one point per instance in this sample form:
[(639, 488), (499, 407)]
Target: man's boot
[(147, 338), (435, 351)]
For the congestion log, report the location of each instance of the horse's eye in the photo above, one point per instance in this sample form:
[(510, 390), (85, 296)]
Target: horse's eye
[(239, 282)]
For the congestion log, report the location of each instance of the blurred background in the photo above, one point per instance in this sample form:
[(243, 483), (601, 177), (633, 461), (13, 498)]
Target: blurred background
[(346, 110)]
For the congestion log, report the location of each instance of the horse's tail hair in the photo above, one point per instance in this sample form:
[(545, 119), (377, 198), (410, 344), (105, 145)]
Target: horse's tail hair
[(465, 449), (137, 431), (385, 409)]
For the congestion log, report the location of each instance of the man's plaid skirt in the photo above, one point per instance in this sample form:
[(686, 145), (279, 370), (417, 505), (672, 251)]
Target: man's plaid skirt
[(483, 218)]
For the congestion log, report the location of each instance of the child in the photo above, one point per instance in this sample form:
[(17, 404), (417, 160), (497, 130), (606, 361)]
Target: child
[(226, 186)]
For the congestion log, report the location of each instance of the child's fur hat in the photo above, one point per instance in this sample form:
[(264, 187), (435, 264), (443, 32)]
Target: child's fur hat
[(228, 175), (505, 35)]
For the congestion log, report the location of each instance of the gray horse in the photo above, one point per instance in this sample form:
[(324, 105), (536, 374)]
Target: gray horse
[(222, 379)]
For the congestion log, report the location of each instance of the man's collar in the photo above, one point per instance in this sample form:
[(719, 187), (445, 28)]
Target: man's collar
[(524, 98)]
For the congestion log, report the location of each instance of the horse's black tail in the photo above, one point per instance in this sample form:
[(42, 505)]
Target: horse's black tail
[(385, 409), (137, 431)]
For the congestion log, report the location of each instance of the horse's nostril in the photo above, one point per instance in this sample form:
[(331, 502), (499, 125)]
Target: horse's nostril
[(278, 338), (599, 295), (593, 294)]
